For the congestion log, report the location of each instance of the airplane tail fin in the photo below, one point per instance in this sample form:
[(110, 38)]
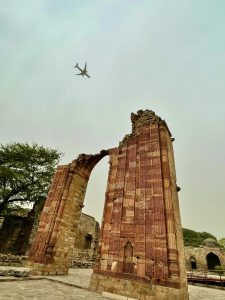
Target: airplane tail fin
[(76, 66)]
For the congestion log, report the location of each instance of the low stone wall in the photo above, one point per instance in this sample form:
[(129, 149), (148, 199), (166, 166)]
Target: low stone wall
[(81, 264), (14, 271), (135, 289), (200, 254), (12, 260), (17, 232)]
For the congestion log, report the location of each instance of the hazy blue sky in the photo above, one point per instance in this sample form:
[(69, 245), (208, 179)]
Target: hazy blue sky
[(168, 56)]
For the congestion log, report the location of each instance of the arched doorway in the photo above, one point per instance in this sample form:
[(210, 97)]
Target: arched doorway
[(193, 263), (95, 193), (50, 252), (212, 261), (141, 217)]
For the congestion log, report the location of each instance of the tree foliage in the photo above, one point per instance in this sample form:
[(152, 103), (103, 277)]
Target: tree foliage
[(25, 173), (194, 238), (222, 242)]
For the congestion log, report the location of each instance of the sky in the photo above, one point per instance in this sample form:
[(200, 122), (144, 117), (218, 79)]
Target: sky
[(167, 56)]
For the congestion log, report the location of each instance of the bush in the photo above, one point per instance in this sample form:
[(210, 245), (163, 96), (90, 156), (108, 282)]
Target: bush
[(222, 242), (219, 270)]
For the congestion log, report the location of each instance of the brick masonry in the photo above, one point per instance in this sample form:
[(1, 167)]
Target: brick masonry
[(141, 237), (17, 232), (53, 244), (200, 256), (141, 245), (86, 242)]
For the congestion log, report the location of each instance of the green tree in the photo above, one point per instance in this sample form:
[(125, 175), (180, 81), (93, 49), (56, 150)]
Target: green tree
[(25, 173), (222, 242), (194, 238)]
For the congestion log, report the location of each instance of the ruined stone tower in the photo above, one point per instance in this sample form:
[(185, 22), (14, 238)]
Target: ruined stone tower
[(141, 253)]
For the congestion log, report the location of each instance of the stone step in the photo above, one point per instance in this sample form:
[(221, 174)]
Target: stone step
[(14, 271)]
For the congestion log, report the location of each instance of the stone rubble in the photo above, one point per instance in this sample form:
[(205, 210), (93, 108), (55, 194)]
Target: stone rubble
[(12, 260), (16, 272)]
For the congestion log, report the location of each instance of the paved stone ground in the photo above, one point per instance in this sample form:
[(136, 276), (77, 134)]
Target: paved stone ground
[(66, 288), (204, 293), (77, 277), (44, 290)]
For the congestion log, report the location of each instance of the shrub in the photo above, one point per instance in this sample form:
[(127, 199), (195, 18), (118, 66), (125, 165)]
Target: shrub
[(219, 270)]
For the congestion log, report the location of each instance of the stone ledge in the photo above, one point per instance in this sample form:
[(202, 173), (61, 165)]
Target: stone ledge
[(81, 264), (129, 288), (115, 296), (16, 272)]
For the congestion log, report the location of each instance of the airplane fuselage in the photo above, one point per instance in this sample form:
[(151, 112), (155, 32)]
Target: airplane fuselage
[(82, 72)]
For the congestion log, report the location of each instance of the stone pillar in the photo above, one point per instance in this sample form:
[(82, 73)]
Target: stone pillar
[(141, 252), (53, 244)]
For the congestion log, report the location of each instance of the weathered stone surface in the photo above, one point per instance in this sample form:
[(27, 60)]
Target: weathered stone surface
[(86, 242), (17, 232), (135, 289), (141, 248), (200, 256), (141, 244), (52, 247), (16, 272), (11, 233), (12, 260)]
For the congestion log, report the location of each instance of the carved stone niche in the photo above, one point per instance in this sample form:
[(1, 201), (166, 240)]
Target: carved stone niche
[(128, 265)]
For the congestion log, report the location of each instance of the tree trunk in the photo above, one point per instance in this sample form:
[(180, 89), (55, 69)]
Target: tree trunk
[(3, 205)]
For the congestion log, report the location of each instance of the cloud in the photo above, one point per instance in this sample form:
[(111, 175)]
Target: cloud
[(165, 57)]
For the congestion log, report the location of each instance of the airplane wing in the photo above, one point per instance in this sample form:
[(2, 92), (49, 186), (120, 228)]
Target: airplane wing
[(79, 74), (85, 68)]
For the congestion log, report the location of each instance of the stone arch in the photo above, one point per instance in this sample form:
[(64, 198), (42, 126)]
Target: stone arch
[(141, 219), (53, 243), (193, 263), (212, 261)]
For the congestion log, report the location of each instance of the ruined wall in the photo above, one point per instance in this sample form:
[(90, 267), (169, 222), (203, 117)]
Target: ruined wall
[(34, 217), (141, 238), (200, 254), (86, 241), (11, 236), (17, 232), (141, 251), (53, 244), (12, 260)]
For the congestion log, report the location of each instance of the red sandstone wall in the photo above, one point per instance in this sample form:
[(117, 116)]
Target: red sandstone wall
[(41, 250), (141, 208), (54, 242)]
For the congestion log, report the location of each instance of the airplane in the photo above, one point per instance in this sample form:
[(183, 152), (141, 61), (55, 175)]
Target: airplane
[(82, 72)]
